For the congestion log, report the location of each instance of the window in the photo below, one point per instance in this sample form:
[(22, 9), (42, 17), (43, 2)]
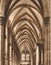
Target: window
[(25, 58)]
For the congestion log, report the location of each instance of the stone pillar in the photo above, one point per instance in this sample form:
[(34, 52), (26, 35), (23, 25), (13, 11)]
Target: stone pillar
[(40, 49), (10, 56), (1, 39), (47, 42), (34, 57), (50, 35), (42, 55), (37, 55), (10, 51), (31, 60), (6, 47), (13, 57)]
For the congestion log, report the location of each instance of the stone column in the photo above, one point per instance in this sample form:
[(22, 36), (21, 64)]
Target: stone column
[(47, 42), (13, 57), (50, 36), (31, 60), (10, 51), (34, 57), (10, 56), (6, 47), (40, 51), (1, 39), (37, 55)]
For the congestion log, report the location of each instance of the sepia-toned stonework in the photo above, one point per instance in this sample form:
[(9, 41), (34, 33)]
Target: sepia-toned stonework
[(25, 32)]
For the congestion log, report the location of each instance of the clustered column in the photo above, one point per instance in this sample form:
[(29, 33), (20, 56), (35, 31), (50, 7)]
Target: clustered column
[(10, 56), (14, 57), (41, 49), (12, 52), (40, 53), (6, 47), (47, 42), (1, 39), (37, 55)]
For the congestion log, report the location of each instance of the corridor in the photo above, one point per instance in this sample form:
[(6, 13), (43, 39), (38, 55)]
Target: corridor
[(25, 32)]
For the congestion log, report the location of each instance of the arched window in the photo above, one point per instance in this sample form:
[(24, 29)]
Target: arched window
[(25, 58)]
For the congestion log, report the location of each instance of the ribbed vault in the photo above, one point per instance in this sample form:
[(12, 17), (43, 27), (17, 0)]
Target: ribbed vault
[(26, 22)]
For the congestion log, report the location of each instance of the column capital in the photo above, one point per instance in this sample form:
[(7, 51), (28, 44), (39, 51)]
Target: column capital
[(46, 20), (40, 42), (2, 19)]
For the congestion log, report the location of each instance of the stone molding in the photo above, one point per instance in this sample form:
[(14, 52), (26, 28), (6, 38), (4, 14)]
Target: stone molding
[(2, 19), (46, 20)]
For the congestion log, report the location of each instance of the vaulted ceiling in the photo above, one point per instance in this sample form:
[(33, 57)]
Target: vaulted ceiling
[(25, 18), (25, 22)]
